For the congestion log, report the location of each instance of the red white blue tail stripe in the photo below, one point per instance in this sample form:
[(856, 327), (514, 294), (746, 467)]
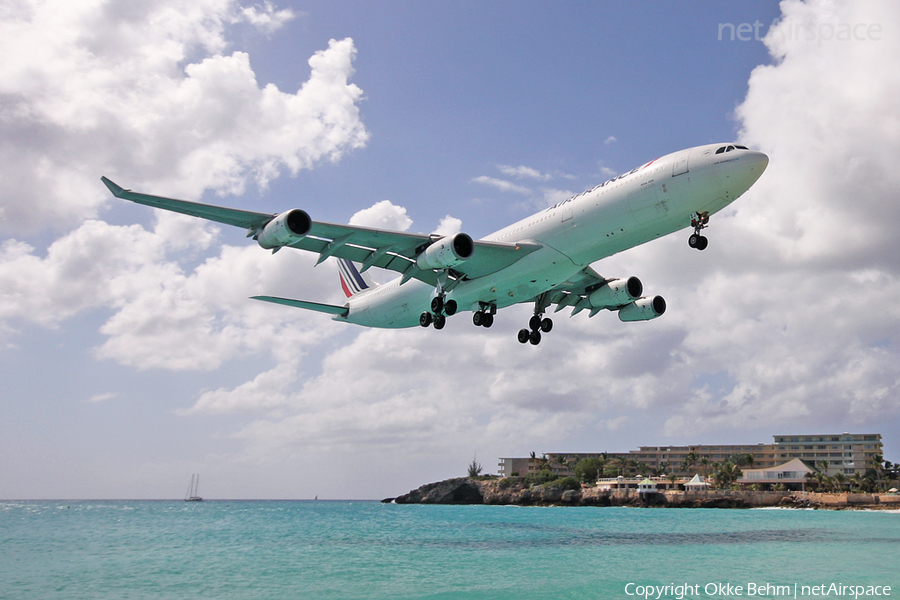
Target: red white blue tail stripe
[(352, 281)]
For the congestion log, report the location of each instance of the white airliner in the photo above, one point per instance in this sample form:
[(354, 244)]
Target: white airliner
[(544, 259)]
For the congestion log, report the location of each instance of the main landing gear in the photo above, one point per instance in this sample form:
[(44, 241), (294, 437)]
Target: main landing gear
[(537, 323), (699, 221), (440, 310), (485, 316)]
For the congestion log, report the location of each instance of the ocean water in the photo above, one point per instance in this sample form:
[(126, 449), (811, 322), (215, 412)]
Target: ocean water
[(367, 550)]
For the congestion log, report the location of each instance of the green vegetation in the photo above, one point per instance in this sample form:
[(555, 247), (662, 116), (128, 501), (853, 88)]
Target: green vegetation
[(588, 470), (474, 468), (565, 483)]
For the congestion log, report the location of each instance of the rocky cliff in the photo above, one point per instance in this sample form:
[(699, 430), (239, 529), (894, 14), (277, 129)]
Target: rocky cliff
[(515, 491)]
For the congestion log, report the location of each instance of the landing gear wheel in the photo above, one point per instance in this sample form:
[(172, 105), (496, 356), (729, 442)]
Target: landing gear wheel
[(478, 318), (699, 221), (450, 307), (546, 325), (439, 321), (535, 338), (535, 322), (425, 319), (523, 336), (487, 320), (437, 304)]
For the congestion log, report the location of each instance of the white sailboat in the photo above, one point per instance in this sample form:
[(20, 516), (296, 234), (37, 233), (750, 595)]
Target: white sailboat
[(192, 494)]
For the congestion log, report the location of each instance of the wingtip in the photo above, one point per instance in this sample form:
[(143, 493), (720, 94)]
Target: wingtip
[(116, 190)]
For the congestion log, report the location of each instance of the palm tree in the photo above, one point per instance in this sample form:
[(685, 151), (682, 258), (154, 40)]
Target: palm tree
[(672, 478), (839, 480), (812, 480), (878, 465), (690, 459), (726, 473), (704, 465), (474, 468)]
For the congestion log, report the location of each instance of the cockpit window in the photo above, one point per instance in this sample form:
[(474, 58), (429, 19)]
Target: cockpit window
[(731, 147)]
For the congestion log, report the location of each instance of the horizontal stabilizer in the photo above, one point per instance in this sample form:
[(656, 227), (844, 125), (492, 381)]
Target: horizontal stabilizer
[(316, 306)]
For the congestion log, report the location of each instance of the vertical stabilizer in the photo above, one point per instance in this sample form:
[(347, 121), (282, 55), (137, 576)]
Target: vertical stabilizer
[(352, 281)]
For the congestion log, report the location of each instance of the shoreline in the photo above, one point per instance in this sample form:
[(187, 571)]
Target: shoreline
[(514, 491)]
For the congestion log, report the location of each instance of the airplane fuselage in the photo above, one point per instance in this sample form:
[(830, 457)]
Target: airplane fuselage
[(653, 200)]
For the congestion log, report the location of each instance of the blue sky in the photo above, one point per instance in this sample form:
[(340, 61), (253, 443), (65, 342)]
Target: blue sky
[(130, 356)]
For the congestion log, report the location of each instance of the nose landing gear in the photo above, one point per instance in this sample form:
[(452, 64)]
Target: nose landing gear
[(699, 221)]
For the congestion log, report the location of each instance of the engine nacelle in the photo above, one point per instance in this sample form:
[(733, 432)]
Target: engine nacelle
[(447, 252), (643, 309), (285, 229), (617, 292)]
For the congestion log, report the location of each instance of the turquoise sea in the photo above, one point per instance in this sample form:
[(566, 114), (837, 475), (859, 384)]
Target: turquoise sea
[(340, 549)]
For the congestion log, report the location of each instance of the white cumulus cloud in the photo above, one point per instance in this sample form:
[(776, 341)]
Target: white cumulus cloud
[(148, 93)]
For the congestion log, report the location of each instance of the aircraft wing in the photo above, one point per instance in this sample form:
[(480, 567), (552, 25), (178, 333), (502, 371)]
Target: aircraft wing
[(391, 250), (229, 216)]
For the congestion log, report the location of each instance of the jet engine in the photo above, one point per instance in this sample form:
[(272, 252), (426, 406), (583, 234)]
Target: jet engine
[(446, 252), (643, 309), (285, 229), (617, 292)]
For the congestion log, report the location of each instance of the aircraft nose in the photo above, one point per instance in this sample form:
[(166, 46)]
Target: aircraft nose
[(750, 167), (757, 160)]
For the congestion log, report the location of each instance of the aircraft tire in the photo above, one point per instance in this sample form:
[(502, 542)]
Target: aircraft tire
[(546, 325), (702, 243), (437, 304), (523, 336), (425, 319), (450, 307), (439, 321), (535, 323), (535, 338), (487, 320), (478, 318), (694, 240)]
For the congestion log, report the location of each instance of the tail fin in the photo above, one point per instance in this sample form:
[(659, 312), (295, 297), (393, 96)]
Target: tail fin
[(352, 281)]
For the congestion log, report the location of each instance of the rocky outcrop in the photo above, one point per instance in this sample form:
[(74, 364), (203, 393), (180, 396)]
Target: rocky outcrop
[(515, 491), (461, 490)]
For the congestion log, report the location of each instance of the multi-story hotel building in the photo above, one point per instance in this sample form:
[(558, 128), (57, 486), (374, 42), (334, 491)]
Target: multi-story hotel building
[(847, 453)]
